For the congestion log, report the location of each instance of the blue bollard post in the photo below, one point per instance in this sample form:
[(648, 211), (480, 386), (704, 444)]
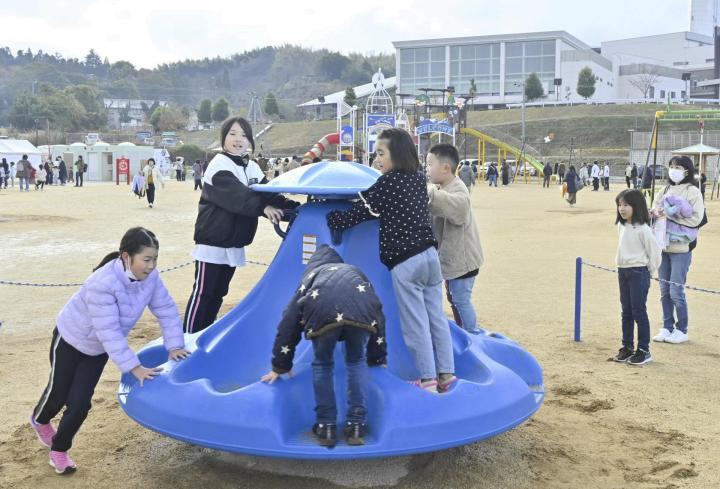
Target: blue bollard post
[(578, 296)]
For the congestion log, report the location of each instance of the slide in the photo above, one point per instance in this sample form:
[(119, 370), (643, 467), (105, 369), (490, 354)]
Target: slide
[(516, 152)]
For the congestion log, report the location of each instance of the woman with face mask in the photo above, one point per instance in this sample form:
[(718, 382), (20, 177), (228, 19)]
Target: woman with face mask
[(681, 204)]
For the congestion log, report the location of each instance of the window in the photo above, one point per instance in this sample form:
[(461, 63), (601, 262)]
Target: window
[(479, 62), (662, 93), (523, 58), (422, 67)]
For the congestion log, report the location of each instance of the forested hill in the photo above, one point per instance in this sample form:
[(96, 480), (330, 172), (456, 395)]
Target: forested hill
[(294, 74)]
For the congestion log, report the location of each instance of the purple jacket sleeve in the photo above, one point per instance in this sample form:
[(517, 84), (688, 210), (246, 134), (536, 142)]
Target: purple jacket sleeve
[(105, 319), (164, 308)]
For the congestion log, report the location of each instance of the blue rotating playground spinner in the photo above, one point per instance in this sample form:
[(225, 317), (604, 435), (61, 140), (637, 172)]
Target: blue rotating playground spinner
[(215, 397)]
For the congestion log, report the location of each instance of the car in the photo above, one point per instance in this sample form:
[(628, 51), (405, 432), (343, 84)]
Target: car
[(149, 141), (92, 138)]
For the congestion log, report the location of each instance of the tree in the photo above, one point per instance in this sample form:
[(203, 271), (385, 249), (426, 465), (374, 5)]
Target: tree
[(169, 118), (122, 69), (472, 91), (533, 87), (189, 152), (92, 60), (24, 111), (332, 65), (204, 112), (149, 110), (350, 97), (586, 83), (271, 106), (645, 80), (220, 110)]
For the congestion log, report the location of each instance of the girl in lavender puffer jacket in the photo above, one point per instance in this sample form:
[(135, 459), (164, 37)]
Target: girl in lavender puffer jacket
[(92, 327)]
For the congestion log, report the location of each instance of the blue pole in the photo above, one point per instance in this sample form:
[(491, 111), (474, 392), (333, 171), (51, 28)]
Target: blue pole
[(578, 296)]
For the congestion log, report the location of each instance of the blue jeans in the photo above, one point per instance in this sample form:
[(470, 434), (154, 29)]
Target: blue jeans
[(418, 289), (674, 267), (460, 294), (634, 286), (493, 180), (27, 183), (356, 340)]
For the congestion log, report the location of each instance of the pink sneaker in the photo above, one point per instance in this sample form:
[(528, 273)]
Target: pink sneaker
[(428, 385), (44, 432), (62, 463)]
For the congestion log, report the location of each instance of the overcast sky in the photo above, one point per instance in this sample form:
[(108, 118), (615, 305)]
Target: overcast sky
[(150, 32)]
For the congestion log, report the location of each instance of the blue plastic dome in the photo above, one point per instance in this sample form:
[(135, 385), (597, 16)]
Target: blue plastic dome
[(215, 397)]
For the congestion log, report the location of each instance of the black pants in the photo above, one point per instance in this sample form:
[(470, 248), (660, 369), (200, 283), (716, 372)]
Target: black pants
[(198, 184), (211, 285), (178, 174), (634, 286), (39, 185), (627, 181), (73, 378), (596, 183), (546, 181), (79, 179), (561, 178), (151, 193)]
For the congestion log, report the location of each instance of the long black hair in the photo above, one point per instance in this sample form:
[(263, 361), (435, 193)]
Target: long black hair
[(686, 163), (244, 125), (132, 242), (635, 199), (402, 150)]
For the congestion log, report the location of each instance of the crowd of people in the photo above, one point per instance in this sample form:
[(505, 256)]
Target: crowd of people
[(48, 173), (428, 237)]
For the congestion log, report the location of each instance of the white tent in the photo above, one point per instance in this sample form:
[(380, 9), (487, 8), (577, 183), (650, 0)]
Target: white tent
[(14, 149)]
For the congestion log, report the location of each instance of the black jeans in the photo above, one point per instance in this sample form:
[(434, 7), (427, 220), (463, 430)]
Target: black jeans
[(178, 175), (596, 183), (73, 378), (78, 179), (211, 285), (627, 181), (151, 193), (634, 286), (198, 184)]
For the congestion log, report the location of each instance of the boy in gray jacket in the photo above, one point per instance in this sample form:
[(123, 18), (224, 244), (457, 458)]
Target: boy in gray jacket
[(460, 251)]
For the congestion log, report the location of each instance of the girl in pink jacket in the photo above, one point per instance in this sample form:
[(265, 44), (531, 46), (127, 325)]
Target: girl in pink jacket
[(92, 327)]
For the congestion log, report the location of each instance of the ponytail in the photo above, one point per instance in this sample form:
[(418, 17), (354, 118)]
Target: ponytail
[(108, 258), (134, 240)]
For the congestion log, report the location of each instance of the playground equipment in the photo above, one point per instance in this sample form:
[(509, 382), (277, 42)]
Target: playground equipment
[(670, 115), (319, 148), (503, 149), (215, 399)]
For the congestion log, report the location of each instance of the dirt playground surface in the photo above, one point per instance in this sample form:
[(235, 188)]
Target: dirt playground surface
[(603, 425)]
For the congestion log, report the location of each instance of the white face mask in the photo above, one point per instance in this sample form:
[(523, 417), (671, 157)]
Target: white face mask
[(677, 175)]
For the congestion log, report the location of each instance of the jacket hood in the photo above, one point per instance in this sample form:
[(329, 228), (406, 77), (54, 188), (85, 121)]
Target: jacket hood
[(324, 256)]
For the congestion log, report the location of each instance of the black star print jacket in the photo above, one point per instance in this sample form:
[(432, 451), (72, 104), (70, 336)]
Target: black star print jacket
[(400, 201), (332, 294)]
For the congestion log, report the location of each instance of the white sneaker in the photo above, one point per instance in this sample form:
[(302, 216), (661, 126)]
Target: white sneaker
[(663, 335), (677, 336)]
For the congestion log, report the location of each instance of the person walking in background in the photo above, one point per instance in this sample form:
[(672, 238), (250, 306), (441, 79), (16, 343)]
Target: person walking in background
[(492, 174), (547, 175), (178, 170), (79, 170), (574, 184), (62, 171), (634, 176), (197, 174), (23, 173), (505, 171), (606, 177), (584, 175), (6, 169), (40, 177), (561, 173), (466, 175), (152, 179), (628, 174), (595, 175), (12, 174)]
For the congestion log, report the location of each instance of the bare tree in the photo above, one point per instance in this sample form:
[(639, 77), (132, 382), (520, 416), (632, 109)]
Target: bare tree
[(645, 80)]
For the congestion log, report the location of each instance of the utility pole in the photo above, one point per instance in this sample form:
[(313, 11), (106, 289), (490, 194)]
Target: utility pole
[(522, 109)]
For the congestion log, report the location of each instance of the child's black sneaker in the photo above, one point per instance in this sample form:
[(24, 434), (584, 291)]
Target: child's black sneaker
[(624, 354), (355, 433), (326, 434), (640, 357)]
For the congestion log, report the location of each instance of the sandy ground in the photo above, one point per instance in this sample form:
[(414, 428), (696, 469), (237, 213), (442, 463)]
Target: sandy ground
[(603, 425)]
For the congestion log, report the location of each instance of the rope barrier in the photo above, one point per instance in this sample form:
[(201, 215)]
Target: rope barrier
[(579, 262), (164, 270)]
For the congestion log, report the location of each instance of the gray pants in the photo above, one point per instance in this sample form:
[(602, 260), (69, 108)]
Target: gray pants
[(418, 289)]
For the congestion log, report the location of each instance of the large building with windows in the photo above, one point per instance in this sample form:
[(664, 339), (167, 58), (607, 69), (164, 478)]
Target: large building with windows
[(499, 65)]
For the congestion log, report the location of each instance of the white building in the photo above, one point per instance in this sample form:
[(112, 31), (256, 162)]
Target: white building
[(101, 158), (499, 64), (128, 109)]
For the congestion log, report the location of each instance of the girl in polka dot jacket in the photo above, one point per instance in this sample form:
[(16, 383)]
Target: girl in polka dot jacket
[(409, 249)]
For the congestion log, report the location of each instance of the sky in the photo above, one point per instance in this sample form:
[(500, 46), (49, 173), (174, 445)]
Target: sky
[(151, 32)]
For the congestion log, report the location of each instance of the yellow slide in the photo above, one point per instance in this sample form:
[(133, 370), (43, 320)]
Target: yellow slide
[(484, 139)]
